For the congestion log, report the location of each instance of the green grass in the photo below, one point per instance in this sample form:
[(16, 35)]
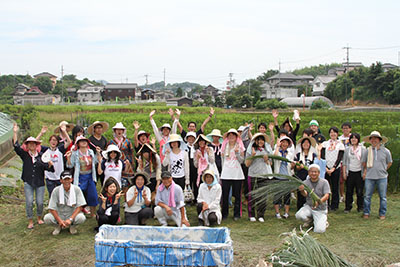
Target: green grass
[(363, 242)]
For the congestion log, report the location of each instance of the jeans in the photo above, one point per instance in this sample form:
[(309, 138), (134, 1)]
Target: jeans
[(29, 192), (370, 184), (51, 184)]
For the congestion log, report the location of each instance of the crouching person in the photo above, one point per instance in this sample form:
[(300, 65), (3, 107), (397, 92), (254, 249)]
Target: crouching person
[(65, 205), (209, 199), (317, 212), (170, 204)]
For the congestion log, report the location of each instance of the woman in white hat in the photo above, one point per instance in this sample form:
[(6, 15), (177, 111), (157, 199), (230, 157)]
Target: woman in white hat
[(140, 137), (232, 174), (111, 164), (259, 146), (216, 145), (209, 199), (162, 135), (83, 160), (305, 157), (126, 148), (177, 160), (203, 160), (33, 169), (283, 146), (149, 162)]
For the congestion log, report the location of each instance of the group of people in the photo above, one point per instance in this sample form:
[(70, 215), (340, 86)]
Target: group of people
[(205, 170)]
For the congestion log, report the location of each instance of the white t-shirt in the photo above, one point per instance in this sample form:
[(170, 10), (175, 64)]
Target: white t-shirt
[(112, 170), (137, 205), (58, 161), (332, 149), (177, 162)]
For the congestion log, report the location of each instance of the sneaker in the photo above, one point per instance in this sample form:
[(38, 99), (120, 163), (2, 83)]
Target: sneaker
[(261, 219), (57, 230), (278, 216), (236, 219), (253, 219), (286, 215), (307, 223), (72, 230), (341, 199)]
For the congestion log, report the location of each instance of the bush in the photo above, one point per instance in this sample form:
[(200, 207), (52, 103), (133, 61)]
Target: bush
[(320, 104), (271, 104)]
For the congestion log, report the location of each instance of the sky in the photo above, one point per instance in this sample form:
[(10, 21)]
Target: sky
[(197, 41)]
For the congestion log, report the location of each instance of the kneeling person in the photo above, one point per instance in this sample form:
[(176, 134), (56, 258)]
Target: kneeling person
[(170, 204), (208, 200), (317, 212), (65, 205)]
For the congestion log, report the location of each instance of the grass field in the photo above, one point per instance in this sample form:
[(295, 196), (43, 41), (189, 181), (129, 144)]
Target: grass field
[(363, 242)]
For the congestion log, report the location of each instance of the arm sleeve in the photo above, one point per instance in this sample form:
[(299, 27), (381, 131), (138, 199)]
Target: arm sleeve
[(195, 159), (215, 204), (158, 169), (277, 128), (155, 130), (211, 156), (62, 149), (174, 126), (18, 149), (296, 130), (323, 153), (166, 160), (187, 170), (339, 159), (239, 157), (346, 157)]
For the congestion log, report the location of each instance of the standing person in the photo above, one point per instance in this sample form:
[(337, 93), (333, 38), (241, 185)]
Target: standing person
[(232, 174), (204, 159), (170, 204), (287, 126), (177, 160), (140, 137), (83, 160), (191, 126), (33, 169), (305, 157), (76, 131), (209, 199), (317, 135), (68, 128), (108, 212), (332, 151), (150, 163), (314, 212), (97, 139), (137, 206), (190, 138), (378, 161), (216, 145), (126, 148), (283, 146), (259, 146), (65, 205), (353, 172), (163, 133), (111, 165), (345, 139)]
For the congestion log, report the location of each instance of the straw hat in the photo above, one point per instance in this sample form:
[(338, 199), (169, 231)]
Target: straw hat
[(288, 139), (105, 126), (231, 131), (32, 139), (384, 139), (110, 148), (215, 132), (201, 137), (165, 125), (207, 172), (146, 146), (119, 125), (69, 126), (143, 174), (311, 139), (190, 134), (266, 137)]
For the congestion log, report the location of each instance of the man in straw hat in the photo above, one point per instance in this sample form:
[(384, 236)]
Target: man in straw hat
[(378, 160), (170, 202), (96, 131), (65, 205)]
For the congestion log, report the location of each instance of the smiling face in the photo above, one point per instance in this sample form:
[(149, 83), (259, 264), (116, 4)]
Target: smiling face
[(98, 129), (284, 144), (287, 127), (333, 135), (167, 182), (53, 142), (354, 141), (202, 143), (215, 139), (260, 142), (192, 127), (112, 155), (66, 182), (305, 145), (31, 146), (190, 139), (111, 189), (346, 130), (314, 128), (165, 131), (139, 181), (232, 137), (174, 144), (262, 129), (314, 174), (82, 144), (208, 179), (375, 141)]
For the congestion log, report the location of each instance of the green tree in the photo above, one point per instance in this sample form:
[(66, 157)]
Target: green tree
[(44, 84), (179, 92), (230, 100), (219, 102), (208, 100), (263, 77), (6, 95)]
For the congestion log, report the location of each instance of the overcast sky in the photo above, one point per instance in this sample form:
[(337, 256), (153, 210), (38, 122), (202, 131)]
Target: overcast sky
[(198, 41)]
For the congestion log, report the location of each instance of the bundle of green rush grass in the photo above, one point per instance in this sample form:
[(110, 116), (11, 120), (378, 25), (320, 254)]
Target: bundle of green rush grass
[(271, 156), (301, 249), (279, 188)]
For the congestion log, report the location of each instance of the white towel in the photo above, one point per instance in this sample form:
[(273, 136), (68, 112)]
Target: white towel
[(370, 159), (71, 198)]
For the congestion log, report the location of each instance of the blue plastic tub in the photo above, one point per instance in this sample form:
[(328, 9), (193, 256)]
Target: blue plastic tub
[(163, 246)]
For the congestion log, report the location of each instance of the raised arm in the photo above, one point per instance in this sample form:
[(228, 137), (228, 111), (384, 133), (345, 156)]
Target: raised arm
[(42, 132), (136, 125), (154, 126), (207, 120)]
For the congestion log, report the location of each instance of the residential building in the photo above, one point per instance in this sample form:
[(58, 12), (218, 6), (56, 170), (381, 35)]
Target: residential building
[(147, 94), (181, 101), (163, 95), (389, 66), (35, 97), (113, 91), (21, 89), (209, 91), (284, 85), (52, 77), (90, 94), (320, 83)]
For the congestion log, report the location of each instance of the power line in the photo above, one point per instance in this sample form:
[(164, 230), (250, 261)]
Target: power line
[(376, 48)]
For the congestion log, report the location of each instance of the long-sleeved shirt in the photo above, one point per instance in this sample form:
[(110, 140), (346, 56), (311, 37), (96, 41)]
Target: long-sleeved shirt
[(111, 208), (32, 168), (161, 138)]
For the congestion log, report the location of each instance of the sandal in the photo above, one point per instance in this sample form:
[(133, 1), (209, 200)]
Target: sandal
[(30, 226)]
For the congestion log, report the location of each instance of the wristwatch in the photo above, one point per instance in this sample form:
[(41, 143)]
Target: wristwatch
[(71, 220)]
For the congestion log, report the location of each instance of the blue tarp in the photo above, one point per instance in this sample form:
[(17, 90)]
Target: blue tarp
[(163, 246)]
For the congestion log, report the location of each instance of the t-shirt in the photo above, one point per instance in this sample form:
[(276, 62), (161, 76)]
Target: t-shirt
[(184, 133), (85, 162), (138, 204), (177, 164), (321, 187), (382, 157), (102, 143), (258, 165), (345, 140), (57, 157), (63, 210), (332, 149), (111, 169), (163, 196)]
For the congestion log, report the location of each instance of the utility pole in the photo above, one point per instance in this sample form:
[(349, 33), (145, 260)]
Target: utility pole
[(347, 66), (164, 78), (231, 80), (62, 84), (146, 76)]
